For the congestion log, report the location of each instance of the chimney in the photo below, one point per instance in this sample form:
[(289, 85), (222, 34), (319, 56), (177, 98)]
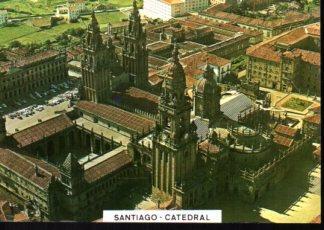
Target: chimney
[(37, 171)]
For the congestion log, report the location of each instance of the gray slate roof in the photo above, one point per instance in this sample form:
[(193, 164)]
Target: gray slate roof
[(202, 127), (232, 108)]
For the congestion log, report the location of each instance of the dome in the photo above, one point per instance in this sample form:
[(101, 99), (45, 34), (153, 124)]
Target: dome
[(175, 78), (206, 82)]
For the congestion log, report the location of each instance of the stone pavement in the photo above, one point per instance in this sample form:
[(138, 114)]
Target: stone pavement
[(305, 209)]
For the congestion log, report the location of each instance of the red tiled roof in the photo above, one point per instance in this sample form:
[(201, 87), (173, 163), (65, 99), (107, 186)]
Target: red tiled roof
[(108, 166), (225, 26), (25, 61), (39, 131), (286, 130), (291, 17), (217, 61), (264, 52), (316, 109), (116, 115), (293, 37), (314, 30), (137, 98), (44, 165), (155, 79), (281, 140), (314, 119), (311, 57), (206, 146), (25, 168)]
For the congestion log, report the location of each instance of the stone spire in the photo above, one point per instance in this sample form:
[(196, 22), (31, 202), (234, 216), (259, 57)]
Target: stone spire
[(209, 73), (93, 38), (135, 8), (71, 166), (207, 96), (135, 26), (175, 79)]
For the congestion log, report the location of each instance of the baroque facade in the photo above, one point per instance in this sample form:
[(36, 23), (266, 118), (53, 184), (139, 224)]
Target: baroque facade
[(135, 55)]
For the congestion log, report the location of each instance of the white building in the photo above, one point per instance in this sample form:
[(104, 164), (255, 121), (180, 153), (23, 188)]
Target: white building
[(79, 5), (70, 11), (3, 17), (167, 9)]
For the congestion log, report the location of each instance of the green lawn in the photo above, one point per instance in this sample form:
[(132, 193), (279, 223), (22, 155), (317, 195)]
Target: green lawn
[(19, 8), (31, 6), (8, 34), (296, 104), (28, 34)]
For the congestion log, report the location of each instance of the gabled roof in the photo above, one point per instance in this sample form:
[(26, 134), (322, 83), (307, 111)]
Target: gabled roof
[(137, 99), (108, 166), (118, 116), (286, 130), (39, 131), (283, 141), (314, 119), (25, 168)]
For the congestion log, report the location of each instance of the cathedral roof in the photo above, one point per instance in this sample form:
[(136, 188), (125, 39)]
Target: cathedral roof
[(233, 107), (117, 116), (108, 166), (135, 98)]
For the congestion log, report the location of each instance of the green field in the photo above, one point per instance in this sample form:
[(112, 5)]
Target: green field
[(20, 8), (26, 33), (8, 34), (296, 104), (30, 6)]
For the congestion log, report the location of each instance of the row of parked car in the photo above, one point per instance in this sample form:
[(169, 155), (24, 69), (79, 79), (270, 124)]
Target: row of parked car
[(68, 95), (32, 109), (26, 112)]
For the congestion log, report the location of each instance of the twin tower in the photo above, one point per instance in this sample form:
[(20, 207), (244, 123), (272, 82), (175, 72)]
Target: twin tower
[(100, 63)]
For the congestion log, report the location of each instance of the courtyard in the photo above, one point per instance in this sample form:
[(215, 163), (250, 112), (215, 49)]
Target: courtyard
[(297, 104)]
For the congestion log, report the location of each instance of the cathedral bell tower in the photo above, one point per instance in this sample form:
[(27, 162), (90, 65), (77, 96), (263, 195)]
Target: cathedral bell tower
[(95, 65), (135, 55), (175, 138), (207, 95)]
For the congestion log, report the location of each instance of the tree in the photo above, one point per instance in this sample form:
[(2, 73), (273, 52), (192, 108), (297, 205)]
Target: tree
[(231, 79), (302, 3), (15, 44), (3, 56), (32, 47)]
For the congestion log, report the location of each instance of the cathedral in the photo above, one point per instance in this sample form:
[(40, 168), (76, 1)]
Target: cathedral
[(78, 163)]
